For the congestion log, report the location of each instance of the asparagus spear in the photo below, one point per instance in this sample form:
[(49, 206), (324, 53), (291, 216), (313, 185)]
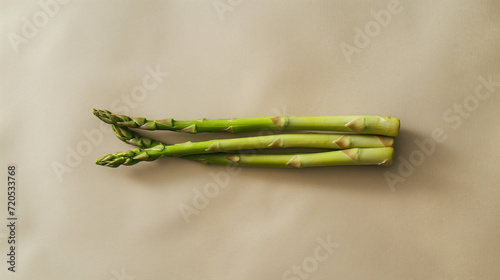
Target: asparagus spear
[(354, 156), (380, 125), (157, 149), (326, 141)]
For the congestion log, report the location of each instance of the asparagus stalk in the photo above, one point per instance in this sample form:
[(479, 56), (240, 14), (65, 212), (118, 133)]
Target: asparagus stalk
[(157, 149), (380, 125), (354, 156), (310, 140)]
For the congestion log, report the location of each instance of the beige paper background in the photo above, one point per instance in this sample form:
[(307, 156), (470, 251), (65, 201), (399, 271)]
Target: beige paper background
[(257, 58)]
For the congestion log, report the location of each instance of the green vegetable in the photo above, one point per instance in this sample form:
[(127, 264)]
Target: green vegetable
[(379, 125), (327, 141), (155, 149), (354, 156)]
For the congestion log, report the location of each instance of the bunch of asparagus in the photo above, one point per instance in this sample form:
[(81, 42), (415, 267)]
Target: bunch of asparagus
[(369, 140)]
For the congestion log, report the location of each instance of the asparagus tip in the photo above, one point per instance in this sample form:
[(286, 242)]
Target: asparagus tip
[(112, 160), (103, 115)]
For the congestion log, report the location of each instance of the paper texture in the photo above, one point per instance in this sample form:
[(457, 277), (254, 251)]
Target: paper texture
[(433, 214)]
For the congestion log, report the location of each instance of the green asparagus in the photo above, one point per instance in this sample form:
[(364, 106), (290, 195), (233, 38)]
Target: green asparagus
[(378, 125), (354, 156), (326, 141), (155, 149)]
